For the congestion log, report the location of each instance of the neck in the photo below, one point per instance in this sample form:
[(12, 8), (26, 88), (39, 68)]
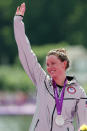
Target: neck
[(60, 80)]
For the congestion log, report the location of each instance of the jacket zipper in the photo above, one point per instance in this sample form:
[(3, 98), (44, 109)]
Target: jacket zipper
[(36, 124), (67, 129)]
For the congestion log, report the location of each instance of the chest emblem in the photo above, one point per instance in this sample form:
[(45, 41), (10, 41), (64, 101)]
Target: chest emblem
[(71, 90)]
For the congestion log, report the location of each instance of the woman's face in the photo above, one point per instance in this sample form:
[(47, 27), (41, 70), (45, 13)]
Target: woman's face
[(55, 66)]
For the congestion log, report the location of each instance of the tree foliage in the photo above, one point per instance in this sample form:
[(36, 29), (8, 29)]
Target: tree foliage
[(46, 21)]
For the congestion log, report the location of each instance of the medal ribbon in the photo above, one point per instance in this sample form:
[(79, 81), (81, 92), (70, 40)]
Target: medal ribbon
[(59, 101)]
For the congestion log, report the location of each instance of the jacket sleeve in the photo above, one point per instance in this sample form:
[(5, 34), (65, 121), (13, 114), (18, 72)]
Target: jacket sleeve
[(27, 57), (82, 110)]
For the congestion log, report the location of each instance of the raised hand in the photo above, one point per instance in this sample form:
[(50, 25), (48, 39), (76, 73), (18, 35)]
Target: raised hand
[(21, 9)]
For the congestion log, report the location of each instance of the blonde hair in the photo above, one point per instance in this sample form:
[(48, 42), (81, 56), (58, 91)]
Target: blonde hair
[(61, 54)]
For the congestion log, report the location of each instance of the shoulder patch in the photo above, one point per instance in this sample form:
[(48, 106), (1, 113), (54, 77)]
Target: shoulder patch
[(71, 90)]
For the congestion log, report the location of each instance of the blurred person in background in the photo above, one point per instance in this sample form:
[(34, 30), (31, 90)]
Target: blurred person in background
[(59, 97)]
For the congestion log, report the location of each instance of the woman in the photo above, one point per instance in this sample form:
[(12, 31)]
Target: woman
[(59, 97)]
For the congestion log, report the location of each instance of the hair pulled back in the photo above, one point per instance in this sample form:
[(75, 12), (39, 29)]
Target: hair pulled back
[(61, 55)]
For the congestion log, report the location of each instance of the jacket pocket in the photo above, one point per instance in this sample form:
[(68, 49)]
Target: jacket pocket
[(36, 124)]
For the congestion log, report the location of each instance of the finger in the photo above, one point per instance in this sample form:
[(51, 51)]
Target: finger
[(22, 9), (18, 10), (23, 4)]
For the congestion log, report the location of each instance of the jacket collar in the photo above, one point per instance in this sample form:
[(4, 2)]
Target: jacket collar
[(49, 87)]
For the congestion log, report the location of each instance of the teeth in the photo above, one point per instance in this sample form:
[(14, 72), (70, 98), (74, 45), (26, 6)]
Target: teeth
[(52, 71)]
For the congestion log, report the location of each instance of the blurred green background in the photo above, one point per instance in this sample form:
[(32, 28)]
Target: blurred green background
[(15, 123), (49, 24)]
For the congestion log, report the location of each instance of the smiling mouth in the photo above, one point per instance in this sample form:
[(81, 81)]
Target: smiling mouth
[(52, 72)]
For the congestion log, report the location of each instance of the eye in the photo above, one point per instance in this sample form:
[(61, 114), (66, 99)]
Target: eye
[(47, 64), (53, 63)]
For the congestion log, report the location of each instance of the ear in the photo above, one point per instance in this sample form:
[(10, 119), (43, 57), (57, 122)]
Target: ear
[(65, 64)]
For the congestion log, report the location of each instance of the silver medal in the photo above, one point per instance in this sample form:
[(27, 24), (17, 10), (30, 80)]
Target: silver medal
[(59, 120)]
